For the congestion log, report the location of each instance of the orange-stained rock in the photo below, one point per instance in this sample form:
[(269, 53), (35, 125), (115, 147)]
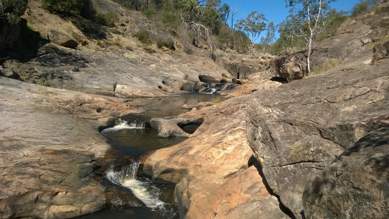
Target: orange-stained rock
[(211, 168), (244, 195)]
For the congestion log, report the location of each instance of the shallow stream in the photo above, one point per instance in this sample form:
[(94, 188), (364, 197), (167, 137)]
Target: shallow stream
[(131, 136)]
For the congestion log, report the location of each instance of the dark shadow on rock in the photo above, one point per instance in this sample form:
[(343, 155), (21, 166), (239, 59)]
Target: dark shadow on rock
[(52, 55), (279, 79), (26, 45), (90, 28), (254, 162), (374, 139), (190, 126)]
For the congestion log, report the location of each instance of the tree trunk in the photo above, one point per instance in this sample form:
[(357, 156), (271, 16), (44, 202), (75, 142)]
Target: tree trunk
[(309, 53)]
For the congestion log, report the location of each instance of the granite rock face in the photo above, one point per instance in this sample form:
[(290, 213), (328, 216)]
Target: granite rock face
[(212, 168), (356, 184), (306, 124), (50, 149)]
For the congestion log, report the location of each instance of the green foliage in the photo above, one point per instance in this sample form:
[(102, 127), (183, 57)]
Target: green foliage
[(288, 40), (331, 21), (144, 36), (232, 39), (224, 12), (363, 6), (107, 19), (65, 7), (169, 16), (11, 10), (270, 34), (254, 24), (173, 13), (294, 30)]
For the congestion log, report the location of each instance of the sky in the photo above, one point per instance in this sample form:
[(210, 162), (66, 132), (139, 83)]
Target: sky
[(274, 10)]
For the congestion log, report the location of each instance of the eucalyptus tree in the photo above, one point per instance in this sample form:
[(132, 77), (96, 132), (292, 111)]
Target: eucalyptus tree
[(309, 15), (254, 24)]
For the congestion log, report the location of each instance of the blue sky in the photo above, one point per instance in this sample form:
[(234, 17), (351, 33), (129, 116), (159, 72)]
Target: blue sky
[(274, 10)]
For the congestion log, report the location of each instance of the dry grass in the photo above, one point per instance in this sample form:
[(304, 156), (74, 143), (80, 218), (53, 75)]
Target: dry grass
[(326, 66)]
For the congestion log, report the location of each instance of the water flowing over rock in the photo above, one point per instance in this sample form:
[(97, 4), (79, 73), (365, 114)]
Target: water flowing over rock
[(122, 124), (209, 166), (50, 150), (128, 179)]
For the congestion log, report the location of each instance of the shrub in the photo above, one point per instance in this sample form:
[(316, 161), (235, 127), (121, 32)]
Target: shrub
[(144, 36), (171, 19), (237, 40), (167, 42), (11, 10), (363, 6), (332, 22), (65, 7), (107, 19)]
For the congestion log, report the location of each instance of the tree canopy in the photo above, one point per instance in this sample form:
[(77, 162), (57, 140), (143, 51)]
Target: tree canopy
[(254, 24)]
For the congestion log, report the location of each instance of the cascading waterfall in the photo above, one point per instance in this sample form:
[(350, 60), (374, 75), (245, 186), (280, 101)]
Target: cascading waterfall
[(122, 124), (143, 190)]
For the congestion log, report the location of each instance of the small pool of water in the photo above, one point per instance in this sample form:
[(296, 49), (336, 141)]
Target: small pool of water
[(136, 213), (133, 137), (172, 105), (136, 142)]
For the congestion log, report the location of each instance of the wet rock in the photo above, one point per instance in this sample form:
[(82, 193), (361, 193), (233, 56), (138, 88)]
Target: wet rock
[(122, 90), (50, 150), (192, 87), (356, 184), (236, 81), (168, 127), (211, 168), (208, 79), (117, 197)]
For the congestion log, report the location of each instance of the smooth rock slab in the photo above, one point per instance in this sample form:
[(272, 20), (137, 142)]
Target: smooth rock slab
[(356, 185), (49, 147), (306, 124)]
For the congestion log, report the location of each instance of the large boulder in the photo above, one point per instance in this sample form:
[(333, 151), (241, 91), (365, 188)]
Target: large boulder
[(356, 185), (172, 127), (291, 67)]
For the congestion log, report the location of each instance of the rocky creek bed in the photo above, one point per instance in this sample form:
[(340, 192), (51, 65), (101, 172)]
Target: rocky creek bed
[(244, 161), (132, 137)]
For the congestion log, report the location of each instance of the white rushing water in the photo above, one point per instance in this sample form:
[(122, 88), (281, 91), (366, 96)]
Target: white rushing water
[(125, 125), (144, 191)]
